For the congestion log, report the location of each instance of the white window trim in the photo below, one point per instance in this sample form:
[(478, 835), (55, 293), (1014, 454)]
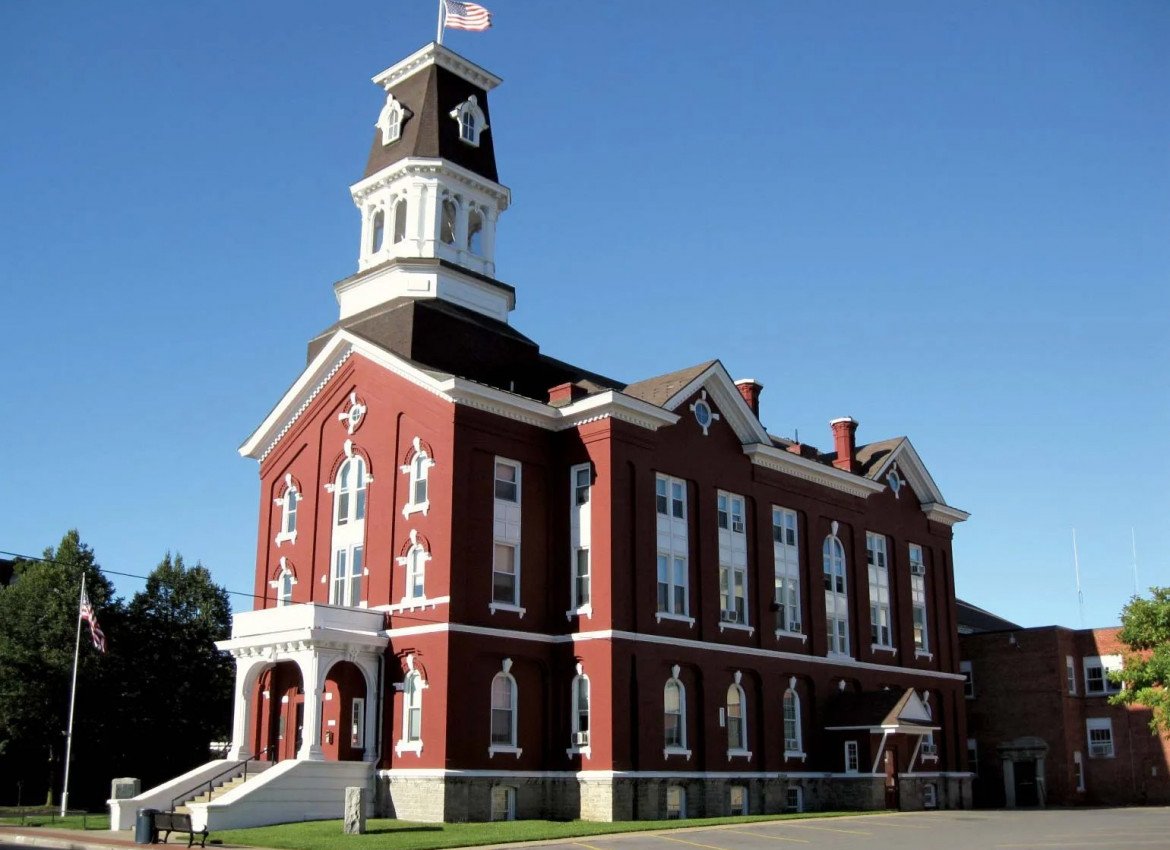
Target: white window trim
[(279, 580), (670, 554), (404, 561), (780, 633), (833, 652), (497, 504), (403, 745), (799, 793), (471, 105), (1070, 673), (727, 566), (509, 803), (507, 607), (737, 627), (965, 667), (679, 618), (1107, 663), (852, 747), (391, 130), (282, 535), (669, 750), (682, 801), (507, 749), (798, 753), (1096, 724), (794, 577), (878, 543), (408, 469), (742, 750), (920, 562), (346, 585), (1079, 766), (577, 608), (585, 751), (408, 605), (927, 748)]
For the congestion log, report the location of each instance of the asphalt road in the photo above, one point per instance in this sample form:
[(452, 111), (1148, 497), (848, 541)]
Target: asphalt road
[(1121, 829)]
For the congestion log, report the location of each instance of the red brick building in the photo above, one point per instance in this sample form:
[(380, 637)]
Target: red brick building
[(506, 586), (1041, 730)]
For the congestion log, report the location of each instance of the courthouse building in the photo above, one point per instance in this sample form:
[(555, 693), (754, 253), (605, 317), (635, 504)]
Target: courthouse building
[(500, 585)]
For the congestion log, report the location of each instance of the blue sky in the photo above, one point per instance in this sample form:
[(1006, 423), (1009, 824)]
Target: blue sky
[(945, 219)]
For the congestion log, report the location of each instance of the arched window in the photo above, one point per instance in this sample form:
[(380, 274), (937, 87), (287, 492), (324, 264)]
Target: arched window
[(793, 743), (377, 231), (400, 209), (674, 715), (472, 121), (736, 719), (350, 491), (415, 566), (289, 501), (349, 528), (283, 583), (580, 718), (418, 468), (412, 688), (447, 223), (390, 120), (475, 232), (504, 712), (836, 595)]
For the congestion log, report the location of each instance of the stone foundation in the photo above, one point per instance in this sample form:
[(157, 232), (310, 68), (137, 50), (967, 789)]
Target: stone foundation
[(469, 798)]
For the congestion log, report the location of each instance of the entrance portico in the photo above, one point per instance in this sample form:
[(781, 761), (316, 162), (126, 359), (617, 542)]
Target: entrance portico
[(315, 638)]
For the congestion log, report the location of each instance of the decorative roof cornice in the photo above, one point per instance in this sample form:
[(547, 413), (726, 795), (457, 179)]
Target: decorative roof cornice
[(724, 393), (945, 514), (436, 54), (417, 166), (780, 460)]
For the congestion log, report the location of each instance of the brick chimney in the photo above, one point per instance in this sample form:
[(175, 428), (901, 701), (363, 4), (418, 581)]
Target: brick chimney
[(566, 393), (750, 389), (845, 443)]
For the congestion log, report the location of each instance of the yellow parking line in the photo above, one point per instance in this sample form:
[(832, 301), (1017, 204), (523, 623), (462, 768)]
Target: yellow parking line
[(773, 837), (684, 841), (826, 829)]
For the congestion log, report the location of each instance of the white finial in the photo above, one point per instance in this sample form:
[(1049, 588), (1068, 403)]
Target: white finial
[(507, 665), (833, 527), (674, 671)]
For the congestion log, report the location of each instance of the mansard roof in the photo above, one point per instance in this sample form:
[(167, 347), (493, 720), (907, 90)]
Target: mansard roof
[(431, 83)]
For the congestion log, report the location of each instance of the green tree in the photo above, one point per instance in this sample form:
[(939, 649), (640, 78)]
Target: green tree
[(177, 684), (38, 630), (1145, 629)]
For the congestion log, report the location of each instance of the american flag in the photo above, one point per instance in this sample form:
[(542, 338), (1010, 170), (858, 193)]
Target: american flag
[(90, 616), (466, 16)]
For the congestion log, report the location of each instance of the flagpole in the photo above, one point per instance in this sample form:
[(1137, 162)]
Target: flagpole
[(439, 32), (72, 702)]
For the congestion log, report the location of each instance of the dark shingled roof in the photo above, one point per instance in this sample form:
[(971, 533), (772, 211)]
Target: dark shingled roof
[(870, 709), (659, 390), (871, 456), (973, 620), (430, 131)]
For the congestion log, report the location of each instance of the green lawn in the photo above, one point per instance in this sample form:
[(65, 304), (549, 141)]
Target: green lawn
[(8, 817), (386, 834)]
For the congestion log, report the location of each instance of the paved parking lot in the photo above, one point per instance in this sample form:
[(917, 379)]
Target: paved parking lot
[(1140, 829)]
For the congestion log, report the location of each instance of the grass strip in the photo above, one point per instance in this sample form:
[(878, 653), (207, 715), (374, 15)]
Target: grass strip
[(94, 821), (389, 834)]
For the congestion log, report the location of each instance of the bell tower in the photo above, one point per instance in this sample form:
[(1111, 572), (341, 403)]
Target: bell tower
[(430, 198)]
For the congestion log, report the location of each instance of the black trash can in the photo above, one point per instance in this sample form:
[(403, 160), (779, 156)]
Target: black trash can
[(144, 826)]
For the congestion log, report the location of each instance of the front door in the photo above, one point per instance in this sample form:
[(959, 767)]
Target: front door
[(1027, 794), (891, 769)]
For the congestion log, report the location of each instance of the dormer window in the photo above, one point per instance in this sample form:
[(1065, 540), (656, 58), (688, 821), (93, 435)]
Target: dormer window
[(390, 120), (471, 120)]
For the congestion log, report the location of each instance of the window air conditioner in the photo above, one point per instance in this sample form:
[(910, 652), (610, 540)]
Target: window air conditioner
[(580, 739), (918, 569)]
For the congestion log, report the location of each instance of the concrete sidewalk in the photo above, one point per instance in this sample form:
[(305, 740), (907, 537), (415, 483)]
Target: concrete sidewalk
[(77, 839)]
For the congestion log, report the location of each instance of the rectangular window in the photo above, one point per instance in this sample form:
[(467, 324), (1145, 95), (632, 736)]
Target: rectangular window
[(503, 802), (733, 566), (786, 553), (504, 574), (345, 589), (836, 595), (737, 800), (676, 802), (357, 723), (793, 800), (973, 755), (506, 535), (879, 590), (1070, 674), (1097, 671), (918, 598), (1100, 731), (580, 534), (968, 679), (1079, 770), (673, 546), (851, 758), (929, 795)]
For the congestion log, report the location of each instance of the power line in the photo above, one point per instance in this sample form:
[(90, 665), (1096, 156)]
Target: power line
[(104, 571)]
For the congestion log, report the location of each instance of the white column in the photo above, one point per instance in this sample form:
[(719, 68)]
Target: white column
[(490, 213), (426, 219), (364, 248), (369, 667), (246, 677), (310, 663)]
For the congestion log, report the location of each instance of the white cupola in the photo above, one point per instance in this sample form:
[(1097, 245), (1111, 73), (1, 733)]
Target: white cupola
[(430, 199)]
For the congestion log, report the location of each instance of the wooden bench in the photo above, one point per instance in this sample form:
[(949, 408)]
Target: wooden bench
[(168, 822)]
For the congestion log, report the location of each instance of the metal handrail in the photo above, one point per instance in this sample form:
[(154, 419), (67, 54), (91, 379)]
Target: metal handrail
[(210, 783)]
